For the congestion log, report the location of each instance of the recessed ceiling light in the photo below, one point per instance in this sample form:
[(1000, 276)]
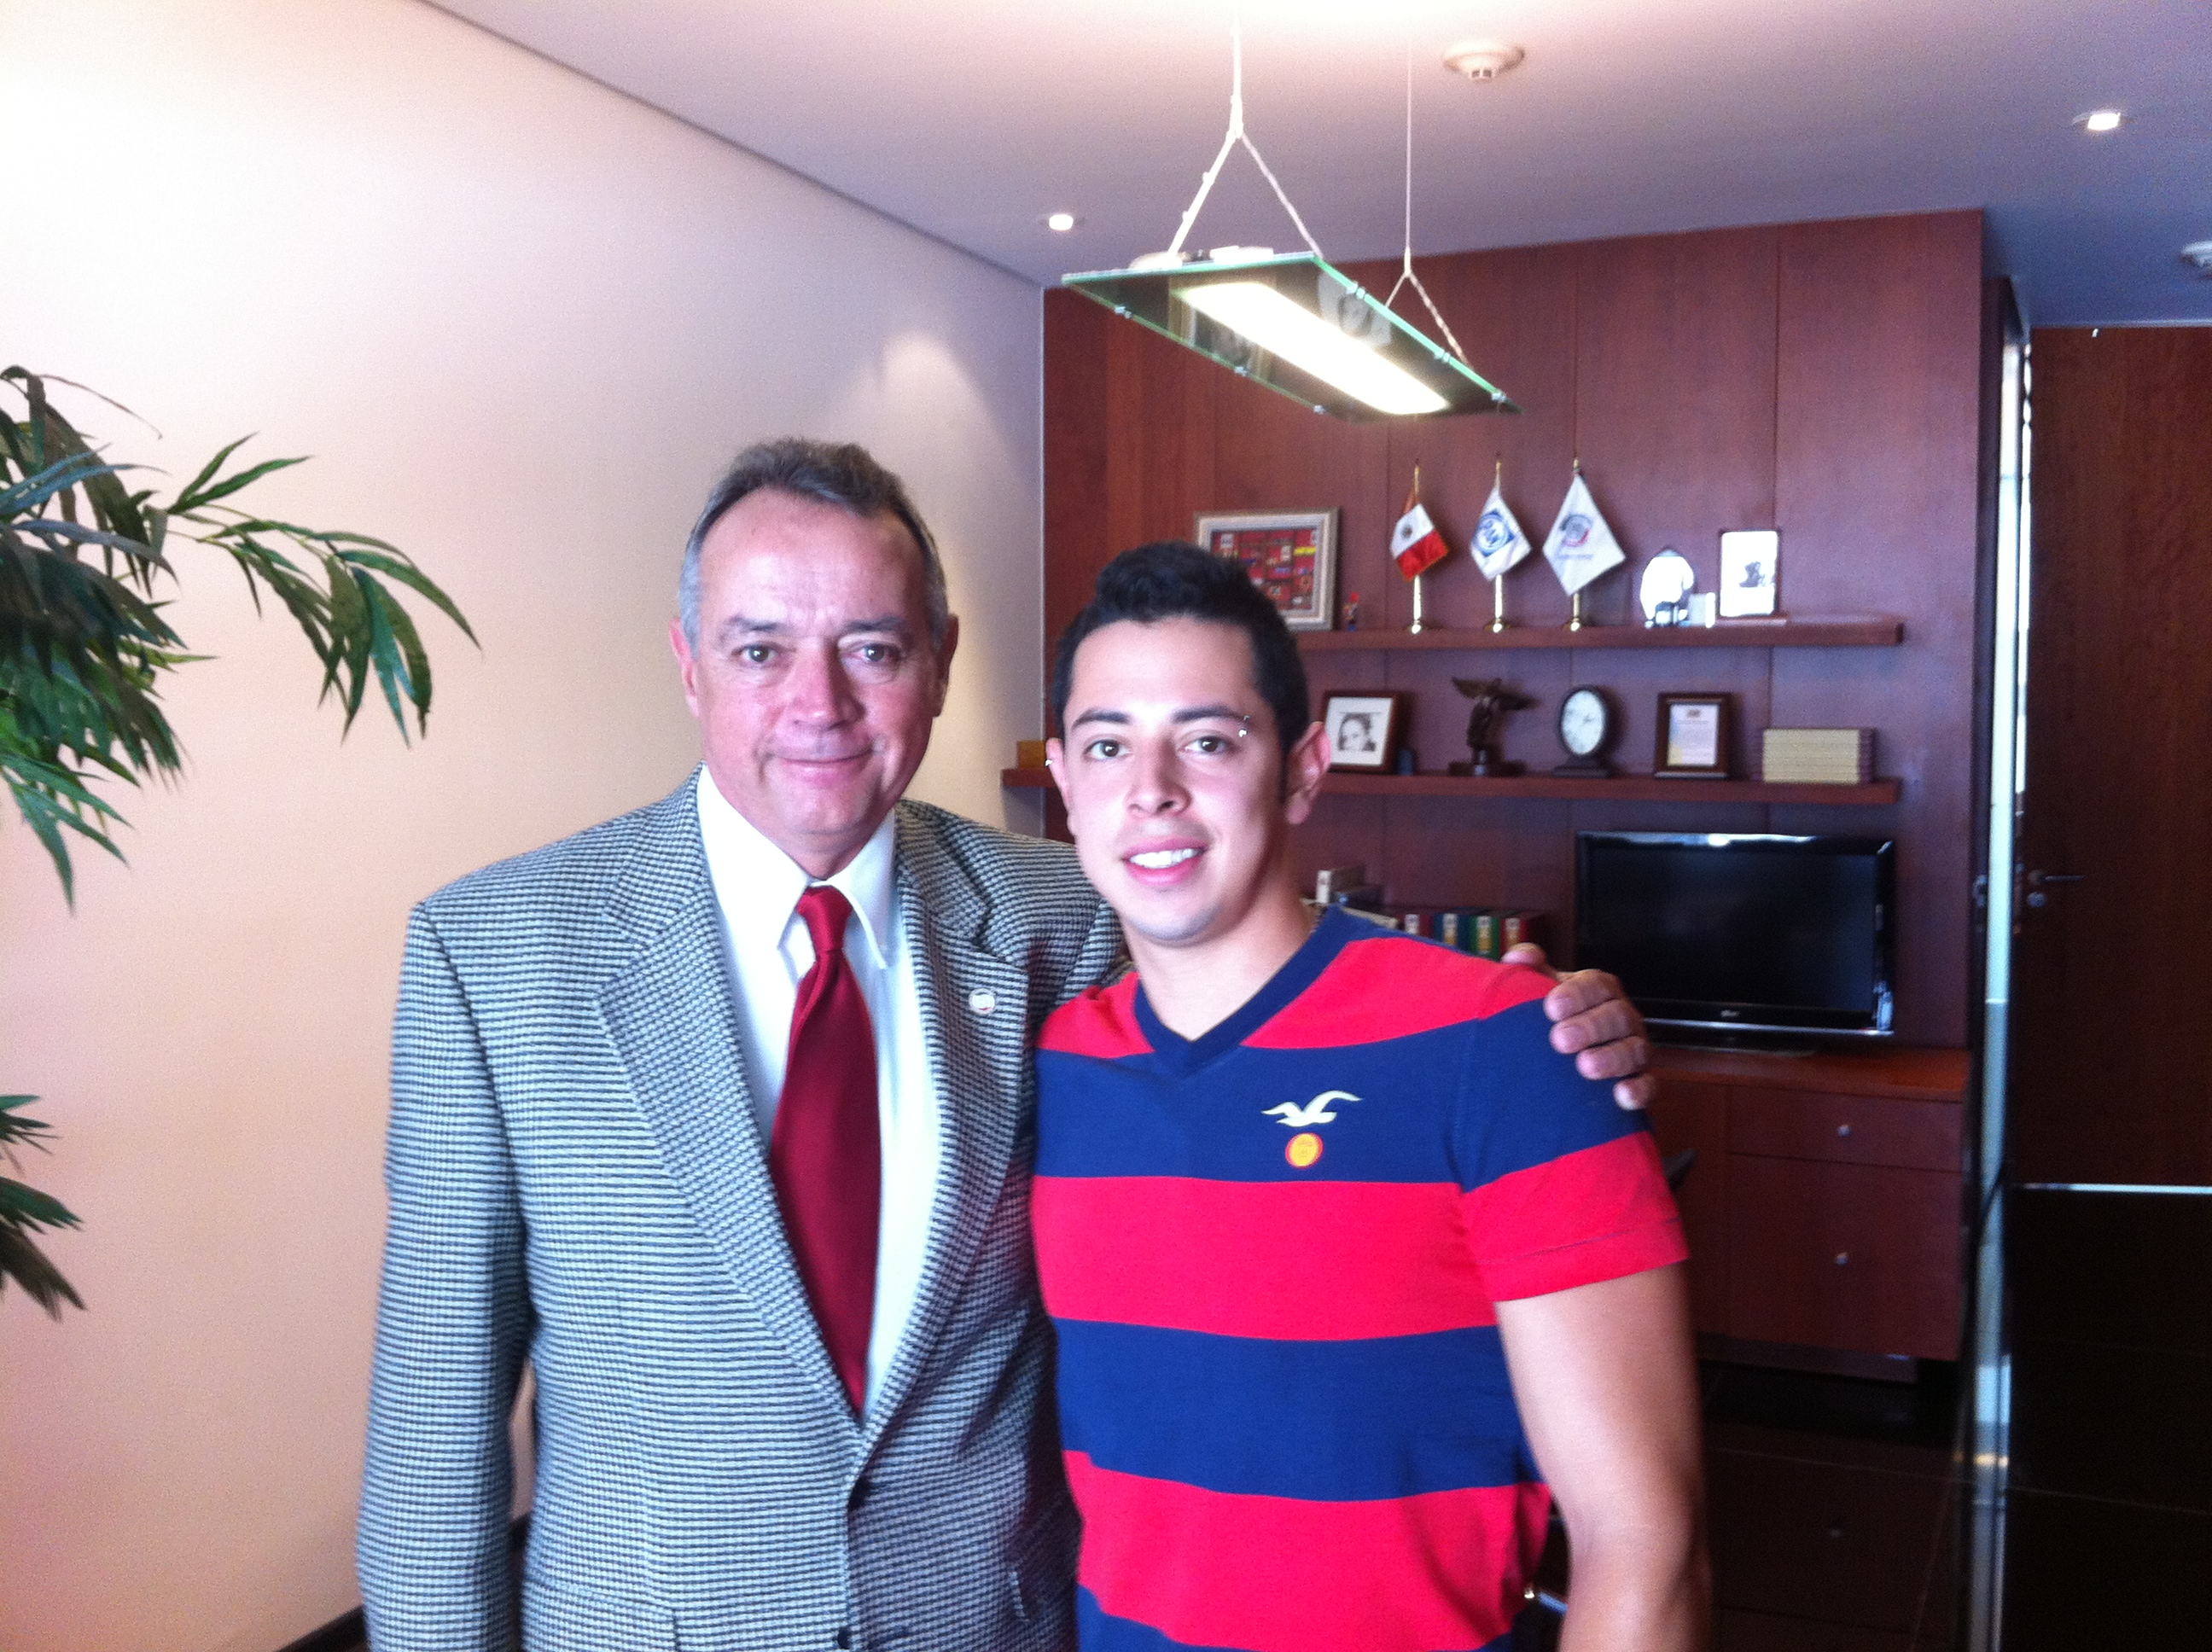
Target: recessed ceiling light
[(1060, 223), (2100, 120)]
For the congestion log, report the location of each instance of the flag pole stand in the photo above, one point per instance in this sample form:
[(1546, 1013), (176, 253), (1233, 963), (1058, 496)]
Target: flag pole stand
[(1575, 621), (1418, 622), (1497, 603)]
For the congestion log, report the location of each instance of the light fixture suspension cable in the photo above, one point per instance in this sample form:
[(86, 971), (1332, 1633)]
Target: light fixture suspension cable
[(1405, 270), (1234, 136)]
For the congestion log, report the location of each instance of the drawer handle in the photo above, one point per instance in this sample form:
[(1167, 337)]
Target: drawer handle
[(1843, 1130), (1843, 1258)]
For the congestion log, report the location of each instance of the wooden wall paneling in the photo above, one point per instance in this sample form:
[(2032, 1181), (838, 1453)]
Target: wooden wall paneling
[(1268, 453), (1877, 426), (1674, 396), (1450, 851), (1513, 313), (1078, 438), (1161, 405), (1341, 831)]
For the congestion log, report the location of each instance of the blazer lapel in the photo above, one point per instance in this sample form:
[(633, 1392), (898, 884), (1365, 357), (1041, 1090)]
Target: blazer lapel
[(669, 1012), (974, 1017)]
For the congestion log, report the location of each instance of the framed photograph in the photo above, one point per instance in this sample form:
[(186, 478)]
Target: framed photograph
[(1697, 732), (1751, 560), (1365, 729), (1291, 556)]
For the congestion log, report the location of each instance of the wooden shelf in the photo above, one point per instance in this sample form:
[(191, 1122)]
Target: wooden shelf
[(1621, 788), (1856, 631)]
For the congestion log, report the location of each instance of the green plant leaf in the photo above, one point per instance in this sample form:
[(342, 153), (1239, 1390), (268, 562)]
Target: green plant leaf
[(22, 1260)]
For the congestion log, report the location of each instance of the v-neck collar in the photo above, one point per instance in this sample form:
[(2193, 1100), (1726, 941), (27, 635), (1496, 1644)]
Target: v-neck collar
[(1335, 931)]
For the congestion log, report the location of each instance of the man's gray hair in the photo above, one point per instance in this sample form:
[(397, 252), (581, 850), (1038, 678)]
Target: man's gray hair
[(843, 474)]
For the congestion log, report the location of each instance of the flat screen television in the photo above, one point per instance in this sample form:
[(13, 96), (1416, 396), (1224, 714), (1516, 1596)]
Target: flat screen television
[(1732, 932)]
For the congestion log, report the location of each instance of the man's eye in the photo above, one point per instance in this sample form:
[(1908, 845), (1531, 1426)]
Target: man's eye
[(1209, 745), (877, 653), (756, 653), (1103, 749)]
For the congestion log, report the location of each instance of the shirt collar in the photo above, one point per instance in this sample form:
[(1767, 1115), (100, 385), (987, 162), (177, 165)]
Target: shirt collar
[(759, 885)]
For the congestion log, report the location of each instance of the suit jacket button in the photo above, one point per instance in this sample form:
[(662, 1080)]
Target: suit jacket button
[(982, 1002), (844, 1637), (863, 1489)]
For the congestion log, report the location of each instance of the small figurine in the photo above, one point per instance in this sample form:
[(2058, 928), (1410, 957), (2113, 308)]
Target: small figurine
[(1492, 700), (1351, 612)]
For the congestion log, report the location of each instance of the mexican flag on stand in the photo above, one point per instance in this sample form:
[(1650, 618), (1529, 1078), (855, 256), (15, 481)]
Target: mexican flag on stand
[(1415, 541)]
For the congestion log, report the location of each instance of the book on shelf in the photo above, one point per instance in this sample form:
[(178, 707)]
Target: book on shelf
[(1484, 932), (1817, 756)]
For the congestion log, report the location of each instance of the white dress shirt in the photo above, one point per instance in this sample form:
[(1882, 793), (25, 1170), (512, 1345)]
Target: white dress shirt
[(769, 952)]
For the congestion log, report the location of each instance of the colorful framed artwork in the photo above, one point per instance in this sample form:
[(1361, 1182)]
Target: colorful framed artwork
[(1365, 727), (1291, 556), (1697, 732)]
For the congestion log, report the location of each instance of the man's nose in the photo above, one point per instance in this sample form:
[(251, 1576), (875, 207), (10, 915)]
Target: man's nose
[(820, 691), (1160, 787)]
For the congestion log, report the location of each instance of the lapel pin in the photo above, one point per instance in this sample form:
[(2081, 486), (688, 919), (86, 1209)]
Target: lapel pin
[(982, 1002)]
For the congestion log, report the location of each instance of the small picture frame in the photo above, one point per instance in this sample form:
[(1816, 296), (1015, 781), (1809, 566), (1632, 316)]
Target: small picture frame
[(1291, 556), (1751, 564), (1365, 728), (1697, 733)]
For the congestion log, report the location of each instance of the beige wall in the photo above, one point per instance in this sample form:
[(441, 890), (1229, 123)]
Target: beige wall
[(520, 321)]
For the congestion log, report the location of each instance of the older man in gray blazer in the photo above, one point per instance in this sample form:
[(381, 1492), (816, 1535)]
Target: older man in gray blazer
[(649, 1081)]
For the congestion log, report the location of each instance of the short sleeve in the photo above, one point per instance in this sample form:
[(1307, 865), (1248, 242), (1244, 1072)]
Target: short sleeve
[(1560, 1187)]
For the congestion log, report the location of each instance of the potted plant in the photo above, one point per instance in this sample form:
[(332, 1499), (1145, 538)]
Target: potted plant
[(85, 648)]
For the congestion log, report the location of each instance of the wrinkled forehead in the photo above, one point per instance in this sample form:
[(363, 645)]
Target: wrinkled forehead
[(777, 547)]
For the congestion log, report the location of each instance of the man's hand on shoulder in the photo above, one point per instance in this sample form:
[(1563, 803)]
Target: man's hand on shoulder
[(1594, 1022)]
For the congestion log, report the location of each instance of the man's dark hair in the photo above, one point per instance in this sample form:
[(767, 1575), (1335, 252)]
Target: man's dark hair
[(843, 474), (1173, 579)]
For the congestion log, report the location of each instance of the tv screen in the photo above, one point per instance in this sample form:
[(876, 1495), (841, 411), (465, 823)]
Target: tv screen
[(1742, 931)]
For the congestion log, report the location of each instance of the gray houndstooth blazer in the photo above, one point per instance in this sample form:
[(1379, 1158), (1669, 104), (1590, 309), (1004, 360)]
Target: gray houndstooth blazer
[(576, 1179)]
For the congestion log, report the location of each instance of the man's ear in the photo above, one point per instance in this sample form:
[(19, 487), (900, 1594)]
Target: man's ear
[(1303, 768), (945, 652), (686, 662), (1055, 759)]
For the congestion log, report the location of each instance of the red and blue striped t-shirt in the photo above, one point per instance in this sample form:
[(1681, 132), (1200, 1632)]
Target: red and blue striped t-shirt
[(1272, 1254)]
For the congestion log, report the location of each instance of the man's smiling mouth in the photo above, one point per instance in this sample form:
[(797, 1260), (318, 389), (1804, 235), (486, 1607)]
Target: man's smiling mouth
[(1161, 859)]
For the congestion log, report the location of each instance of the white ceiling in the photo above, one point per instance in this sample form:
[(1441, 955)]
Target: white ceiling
[(971, 119)]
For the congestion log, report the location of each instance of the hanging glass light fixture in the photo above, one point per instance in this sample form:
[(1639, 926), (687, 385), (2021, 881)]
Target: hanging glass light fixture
[(1292, 321)]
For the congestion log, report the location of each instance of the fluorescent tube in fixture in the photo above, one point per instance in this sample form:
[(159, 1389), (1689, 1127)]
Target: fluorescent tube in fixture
[(1275, 323)]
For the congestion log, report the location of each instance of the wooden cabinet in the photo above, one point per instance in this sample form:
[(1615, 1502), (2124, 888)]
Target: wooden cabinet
[(1825, 1208)]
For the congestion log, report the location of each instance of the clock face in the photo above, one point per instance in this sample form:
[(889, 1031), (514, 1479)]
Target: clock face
[(1585, 722)]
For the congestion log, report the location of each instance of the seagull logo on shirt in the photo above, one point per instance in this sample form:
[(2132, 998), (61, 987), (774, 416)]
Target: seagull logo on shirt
[(1316, 1111)]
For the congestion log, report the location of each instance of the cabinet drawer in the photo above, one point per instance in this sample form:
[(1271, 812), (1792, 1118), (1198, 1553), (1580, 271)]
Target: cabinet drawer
[(1845, 1129), (1855, 1256), (1693, 1115)]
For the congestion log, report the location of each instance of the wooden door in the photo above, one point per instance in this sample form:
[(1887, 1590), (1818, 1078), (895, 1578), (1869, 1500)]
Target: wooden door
[(2112, 970)]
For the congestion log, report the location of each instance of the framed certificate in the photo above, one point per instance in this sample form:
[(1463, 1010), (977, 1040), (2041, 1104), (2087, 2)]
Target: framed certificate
[(1291, 556), (1696, 731)]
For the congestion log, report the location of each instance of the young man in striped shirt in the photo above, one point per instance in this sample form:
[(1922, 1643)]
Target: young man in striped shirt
[(1352, 1274)]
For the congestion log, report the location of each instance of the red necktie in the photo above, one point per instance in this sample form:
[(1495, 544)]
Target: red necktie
[(826, 1156)]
